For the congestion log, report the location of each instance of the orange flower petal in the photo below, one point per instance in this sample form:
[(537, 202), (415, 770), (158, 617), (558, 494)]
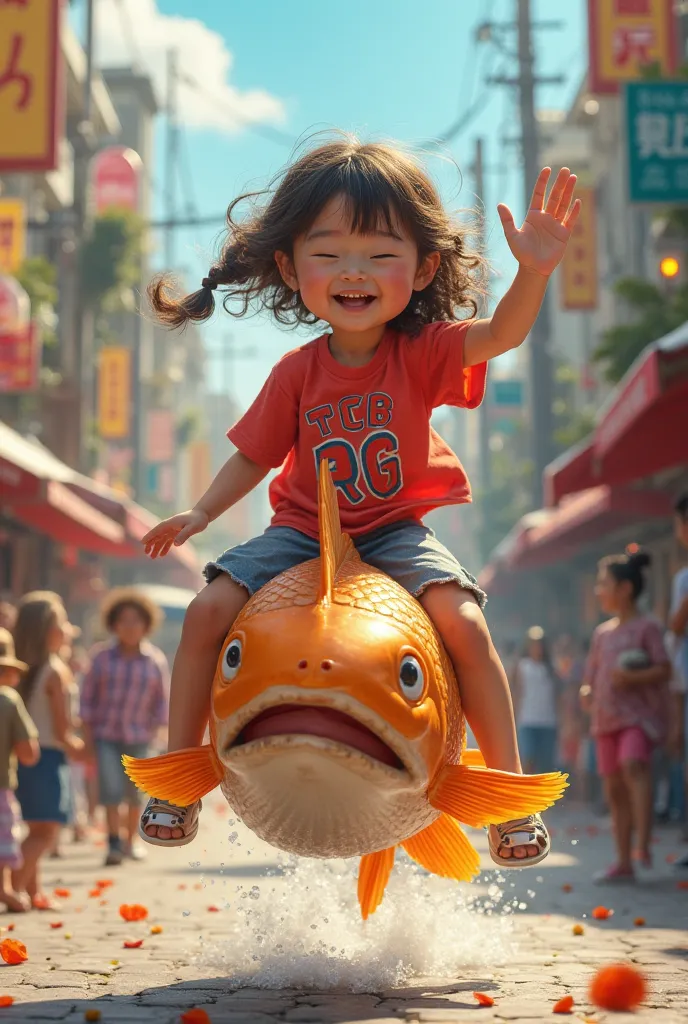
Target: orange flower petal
[(564, 1005), (94, 892), (567, 888), (213, 909), (6, 1000), (578, 929), (56, 924), (62, 894), (10, 927), (618, 987), (92, 1014), (181, 886), (104, 883), (156, 929), (639, 922), (483, 999), (13, 951), (103, 903), (133, 943), (133, 912), (601, 913), (196, 1016)]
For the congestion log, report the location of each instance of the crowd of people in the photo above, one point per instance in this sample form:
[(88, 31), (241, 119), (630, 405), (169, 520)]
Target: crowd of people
[(612, 710), (66, 717)]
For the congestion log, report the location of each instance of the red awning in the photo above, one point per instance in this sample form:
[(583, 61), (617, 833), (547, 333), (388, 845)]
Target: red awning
[(62, 515), (587, 516), (27, 470), (642, 430)]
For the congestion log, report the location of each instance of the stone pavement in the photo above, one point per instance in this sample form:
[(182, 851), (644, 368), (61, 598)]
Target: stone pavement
[(283, 945)]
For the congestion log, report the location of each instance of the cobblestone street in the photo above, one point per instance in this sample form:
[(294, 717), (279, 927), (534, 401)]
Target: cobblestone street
[(251, 949)]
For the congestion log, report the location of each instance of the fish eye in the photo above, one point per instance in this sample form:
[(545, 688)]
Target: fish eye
[(411, 678), (231, 661)]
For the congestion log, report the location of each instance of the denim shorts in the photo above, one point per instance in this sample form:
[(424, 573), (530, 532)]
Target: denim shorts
[(44, 789), (114, 787), (407, 551)]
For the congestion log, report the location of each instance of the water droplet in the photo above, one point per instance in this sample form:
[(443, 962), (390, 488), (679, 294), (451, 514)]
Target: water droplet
[(523, 906), (574, 842), (186, 913), (255, 892), (233, 836)]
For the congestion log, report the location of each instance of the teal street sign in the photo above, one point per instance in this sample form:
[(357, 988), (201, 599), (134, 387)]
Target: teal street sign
[(657, 141), (506, 393)]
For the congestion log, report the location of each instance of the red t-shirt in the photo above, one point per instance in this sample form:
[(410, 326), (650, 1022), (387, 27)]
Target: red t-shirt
[(373, 424)]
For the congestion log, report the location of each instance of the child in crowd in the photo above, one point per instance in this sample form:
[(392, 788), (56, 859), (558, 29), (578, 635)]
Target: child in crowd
[(354, 235), (678, 625), (48, 690), (535, 701), (123, 706), (18, 742), (625, 689)]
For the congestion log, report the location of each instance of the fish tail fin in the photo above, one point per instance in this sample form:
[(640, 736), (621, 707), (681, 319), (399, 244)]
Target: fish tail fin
[(444, 849), (335, 546), (473, 758), (485, 796), (180, 777), (373, 876)]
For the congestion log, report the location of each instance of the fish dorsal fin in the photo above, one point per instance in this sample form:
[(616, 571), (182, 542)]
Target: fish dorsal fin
[(335, 547)]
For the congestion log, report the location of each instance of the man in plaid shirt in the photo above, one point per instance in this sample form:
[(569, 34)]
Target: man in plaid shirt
[(124, 700)]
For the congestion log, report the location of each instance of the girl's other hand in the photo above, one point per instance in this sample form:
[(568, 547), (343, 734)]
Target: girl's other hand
[(621, 677), (540, 243), (175, 530)]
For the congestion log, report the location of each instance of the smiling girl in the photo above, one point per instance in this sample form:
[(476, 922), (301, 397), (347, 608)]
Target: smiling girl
[(355, 236)]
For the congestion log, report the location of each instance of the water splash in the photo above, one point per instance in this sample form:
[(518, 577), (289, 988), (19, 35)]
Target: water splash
[(301, 928)]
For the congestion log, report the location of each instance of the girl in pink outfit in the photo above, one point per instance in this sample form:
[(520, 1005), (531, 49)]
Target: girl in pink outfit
[(625, 689)]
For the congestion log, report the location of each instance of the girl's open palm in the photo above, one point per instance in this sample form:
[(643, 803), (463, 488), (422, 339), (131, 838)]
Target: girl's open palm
[(175, 530), (540, 243)]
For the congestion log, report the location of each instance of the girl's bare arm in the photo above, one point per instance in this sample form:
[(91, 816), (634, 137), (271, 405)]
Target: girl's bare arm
[(511, 322)]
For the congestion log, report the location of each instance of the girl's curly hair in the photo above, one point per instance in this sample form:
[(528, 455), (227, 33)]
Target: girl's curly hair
[(379, 184)]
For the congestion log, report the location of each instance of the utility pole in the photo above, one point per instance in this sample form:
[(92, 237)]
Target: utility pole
[(171, 154), (541, 382), (84, 367), (484, 412)]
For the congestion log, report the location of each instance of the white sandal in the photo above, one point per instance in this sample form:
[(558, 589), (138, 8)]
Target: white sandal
[(166, 815), (528, 831)]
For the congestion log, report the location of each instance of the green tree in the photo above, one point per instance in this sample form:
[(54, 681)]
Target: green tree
[(657, 311), (110, 260)]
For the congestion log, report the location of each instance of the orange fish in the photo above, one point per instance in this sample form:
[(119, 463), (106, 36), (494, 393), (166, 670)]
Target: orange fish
[(337, 729)]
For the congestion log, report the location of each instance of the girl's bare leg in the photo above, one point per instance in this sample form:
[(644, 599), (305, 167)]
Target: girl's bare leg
[(207, 622), (618, 798), (638, 779), (482, 680)]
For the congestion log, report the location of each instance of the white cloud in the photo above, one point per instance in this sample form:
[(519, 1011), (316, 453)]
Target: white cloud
[(142, 33)]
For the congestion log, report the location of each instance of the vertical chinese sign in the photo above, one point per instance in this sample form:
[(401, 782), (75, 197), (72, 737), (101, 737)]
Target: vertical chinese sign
[(31, 107), (114, 393), (12, 235), (626, 36), (20, 360), (578, 282)]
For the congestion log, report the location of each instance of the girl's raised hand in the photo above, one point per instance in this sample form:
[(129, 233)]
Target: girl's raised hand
[(541, 242), (175, 530)]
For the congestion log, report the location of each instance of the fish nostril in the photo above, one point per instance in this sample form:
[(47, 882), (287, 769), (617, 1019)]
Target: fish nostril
[(303, 663), (326, 665)]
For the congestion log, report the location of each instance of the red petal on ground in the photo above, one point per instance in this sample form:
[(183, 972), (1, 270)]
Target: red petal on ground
[(132, 943), (483, 999), (214, 910), (56, 924), (601, 913), (618, 987), (6, 1000), (196, 1016), (564, 1005)]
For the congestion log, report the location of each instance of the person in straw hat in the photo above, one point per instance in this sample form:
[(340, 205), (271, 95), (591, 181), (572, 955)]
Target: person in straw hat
[(18, 742)]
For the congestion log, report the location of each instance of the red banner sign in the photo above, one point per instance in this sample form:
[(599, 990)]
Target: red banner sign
[(627, 35), (20, 360), (116, 174)]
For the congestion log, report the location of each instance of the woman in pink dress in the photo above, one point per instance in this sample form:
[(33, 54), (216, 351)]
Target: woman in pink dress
[(625, 689)]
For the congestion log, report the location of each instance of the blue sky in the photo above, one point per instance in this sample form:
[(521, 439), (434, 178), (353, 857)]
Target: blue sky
[(379, 68)]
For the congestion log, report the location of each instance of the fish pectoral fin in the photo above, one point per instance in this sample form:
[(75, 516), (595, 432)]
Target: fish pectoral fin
[(180, 777), (485, 796), (473, 758), (373, 876), (444, 849)]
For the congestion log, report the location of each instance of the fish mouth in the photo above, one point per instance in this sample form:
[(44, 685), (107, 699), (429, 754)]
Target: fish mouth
[(317, 720)]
